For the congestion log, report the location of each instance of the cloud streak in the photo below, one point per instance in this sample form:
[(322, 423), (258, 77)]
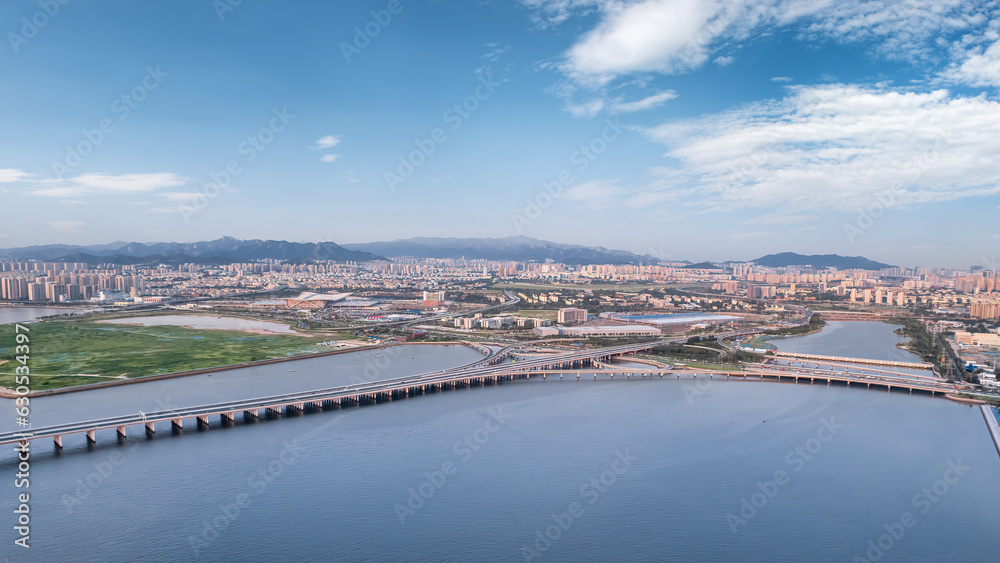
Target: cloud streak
[(830, 148), (107, 184)]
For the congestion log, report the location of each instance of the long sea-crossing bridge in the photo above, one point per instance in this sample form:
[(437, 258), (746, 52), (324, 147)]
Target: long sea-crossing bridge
[(491, 370)]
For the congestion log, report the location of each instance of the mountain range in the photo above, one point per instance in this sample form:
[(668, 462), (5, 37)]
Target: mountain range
[(520, 248), (224, 250), (819, 261)]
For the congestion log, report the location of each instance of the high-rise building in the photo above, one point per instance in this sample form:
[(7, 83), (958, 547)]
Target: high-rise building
[(984, 310), (572, 315), (433, 298)]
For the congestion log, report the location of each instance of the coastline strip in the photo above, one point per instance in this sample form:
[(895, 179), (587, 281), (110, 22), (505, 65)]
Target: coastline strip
[(993, 423)]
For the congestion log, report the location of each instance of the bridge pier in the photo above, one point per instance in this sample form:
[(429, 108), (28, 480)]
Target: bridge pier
[(177, 424), (250, 415), (227, 418), (150, 430), (202, 422), (121, 432), (58, 441), (91, 437)]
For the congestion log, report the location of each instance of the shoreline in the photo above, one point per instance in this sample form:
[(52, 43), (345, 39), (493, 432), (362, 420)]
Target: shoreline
[(6, 393)]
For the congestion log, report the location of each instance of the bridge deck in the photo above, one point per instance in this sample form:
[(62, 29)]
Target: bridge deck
[(485, 372)]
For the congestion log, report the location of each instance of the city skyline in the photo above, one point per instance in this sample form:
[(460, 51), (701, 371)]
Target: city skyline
[(680, 129)]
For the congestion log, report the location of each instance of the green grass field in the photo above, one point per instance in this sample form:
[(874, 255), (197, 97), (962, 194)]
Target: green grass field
[(59, 350)]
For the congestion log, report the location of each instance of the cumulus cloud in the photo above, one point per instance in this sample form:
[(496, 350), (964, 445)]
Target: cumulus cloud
[(980, 67), (826, 148), (329, 157), (676, 36), (651, 35), (724, 61)]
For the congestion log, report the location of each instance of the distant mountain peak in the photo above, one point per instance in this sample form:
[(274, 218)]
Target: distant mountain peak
[(223, 250), (784, 259), (518, 247)]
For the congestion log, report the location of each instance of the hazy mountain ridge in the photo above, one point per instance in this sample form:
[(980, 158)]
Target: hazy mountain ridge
[(520, 248), (223, 250), (783, 259)]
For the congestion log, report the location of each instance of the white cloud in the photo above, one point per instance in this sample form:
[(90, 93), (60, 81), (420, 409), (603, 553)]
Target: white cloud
[(586, 109), (979, 68), (13, 175), (180, 196), (651, 35), (495, 52), (329, 157), (648, 102), (327, 142), (831, 148), (554, 12), (724, 61), (676, 36), (597, 194), (107, 184), (781, 79)]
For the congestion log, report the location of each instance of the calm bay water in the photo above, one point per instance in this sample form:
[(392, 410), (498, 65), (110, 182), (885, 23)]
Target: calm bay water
[(632, 470), (23, 314), (243, 383), (858, 339)]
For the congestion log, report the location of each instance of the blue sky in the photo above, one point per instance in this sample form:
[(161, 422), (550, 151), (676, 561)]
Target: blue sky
[(687, 129)]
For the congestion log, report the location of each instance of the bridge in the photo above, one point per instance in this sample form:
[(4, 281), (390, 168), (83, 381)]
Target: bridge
[(488, 371), (834, 366), (841, 359), (576, 364)]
